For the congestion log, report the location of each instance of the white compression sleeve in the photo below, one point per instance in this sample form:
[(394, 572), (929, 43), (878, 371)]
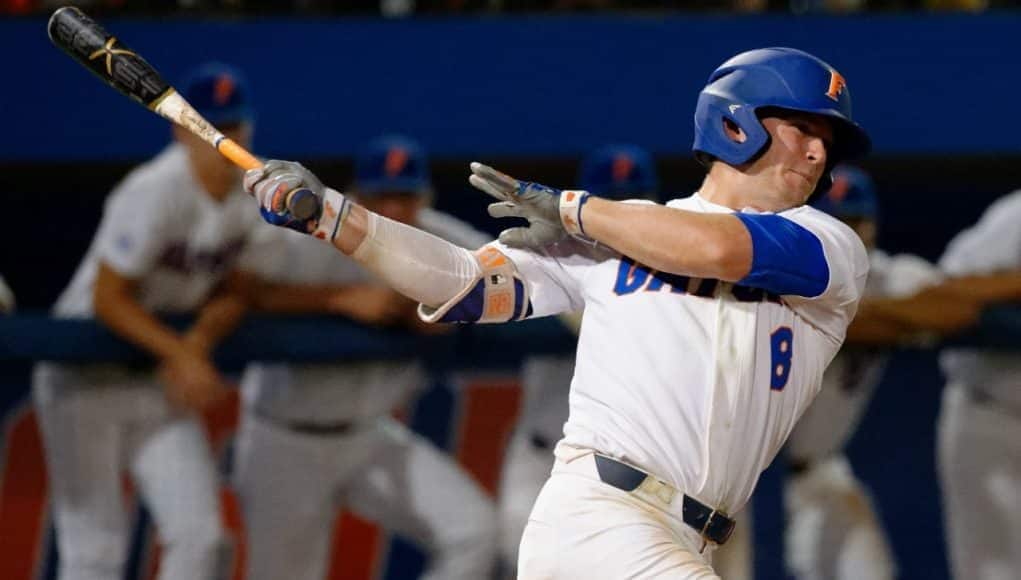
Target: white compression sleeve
[(417, 264)]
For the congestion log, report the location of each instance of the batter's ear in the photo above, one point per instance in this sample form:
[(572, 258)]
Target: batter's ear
[(732, 130)]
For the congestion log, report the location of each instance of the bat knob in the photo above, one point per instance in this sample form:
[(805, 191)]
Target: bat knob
[(303, 204)]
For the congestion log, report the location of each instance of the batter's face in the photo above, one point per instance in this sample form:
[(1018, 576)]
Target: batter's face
[(796, 158), (399, 206), (216, 173)]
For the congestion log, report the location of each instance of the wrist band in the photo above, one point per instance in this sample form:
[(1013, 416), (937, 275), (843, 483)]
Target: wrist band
[(571, 203), (335, 209)]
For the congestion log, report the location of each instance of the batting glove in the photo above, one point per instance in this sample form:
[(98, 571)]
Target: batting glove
[(273, 185), (552, 214)]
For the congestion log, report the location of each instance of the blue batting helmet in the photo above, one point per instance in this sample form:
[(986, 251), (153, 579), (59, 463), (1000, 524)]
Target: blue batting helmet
[(392, 164), (784, 78), (619, 172), (852, 195), (219, 92)]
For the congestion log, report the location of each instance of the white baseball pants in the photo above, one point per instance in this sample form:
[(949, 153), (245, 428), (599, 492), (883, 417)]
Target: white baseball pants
[(833, 532), (94, 427), (292, 484), (581, 527), (525, 469), (980, 472)]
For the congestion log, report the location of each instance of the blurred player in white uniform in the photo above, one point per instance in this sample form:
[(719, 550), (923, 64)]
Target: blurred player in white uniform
[(979, 426), (833, 530), (707, 321), (174, 237), (614, 172), (318, 437)]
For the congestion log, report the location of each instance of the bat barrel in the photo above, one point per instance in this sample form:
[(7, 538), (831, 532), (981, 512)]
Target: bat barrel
[(120, 67)]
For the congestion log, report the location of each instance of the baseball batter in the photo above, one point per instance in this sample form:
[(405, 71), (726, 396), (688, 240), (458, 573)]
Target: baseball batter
[(172, 232), (979, 426), (833, 530), (317, 437), (707, 321), (614, 172)]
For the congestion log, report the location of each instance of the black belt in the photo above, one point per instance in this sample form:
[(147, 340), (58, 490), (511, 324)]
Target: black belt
[(539, 442), (310, 428), (711, 524)]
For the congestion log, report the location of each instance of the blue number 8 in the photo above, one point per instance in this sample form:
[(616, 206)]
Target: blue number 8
[(781, 344)]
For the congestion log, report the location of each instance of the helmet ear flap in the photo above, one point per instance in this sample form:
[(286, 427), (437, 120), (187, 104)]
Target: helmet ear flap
[(711, 138)]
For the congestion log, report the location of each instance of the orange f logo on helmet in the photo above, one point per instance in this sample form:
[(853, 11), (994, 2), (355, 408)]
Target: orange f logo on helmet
[(841, 186), (837, 84), (622, 166), (223, 89), (396, 159)]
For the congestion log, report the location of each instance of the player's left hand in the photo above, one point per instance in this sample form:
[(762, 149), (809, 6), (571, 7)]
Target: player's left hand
[(190, 380), (535, 202), (271, 184)]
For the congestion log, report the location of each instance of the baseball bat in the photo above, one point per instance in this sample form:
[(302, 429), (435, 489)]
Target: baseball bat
[(127, 72)]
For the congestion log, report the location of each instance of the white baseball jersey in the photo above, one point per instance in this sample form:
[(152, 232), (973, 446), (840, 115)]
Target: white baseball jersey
[(852, 377), (694, 380), (353, 390), (161, 228), (990, 246)]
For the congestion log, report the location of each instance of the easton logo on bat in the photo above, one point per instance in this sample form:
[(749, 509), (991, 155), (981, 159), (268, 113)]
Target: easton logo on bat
[(109, 51), (91, 45)]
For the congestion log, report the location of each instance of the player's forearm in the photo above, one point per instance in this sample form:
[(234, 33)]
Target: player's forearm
[(922, 313), (217, 319), (951, 306), (417, 264), (123, 315), (875, 331), (670, 240), (985, 289), (224, 311), (296, 298), (890, 322)]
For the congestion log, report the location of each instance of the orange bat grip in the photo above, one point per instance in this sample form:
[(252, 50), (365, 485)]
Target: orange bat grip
[(238, 154), (301, 202)]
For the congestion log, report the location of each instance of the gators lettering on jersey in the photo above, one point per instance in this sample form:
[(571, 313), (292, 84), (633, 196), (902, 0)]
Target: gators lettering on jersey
[(632, 277)]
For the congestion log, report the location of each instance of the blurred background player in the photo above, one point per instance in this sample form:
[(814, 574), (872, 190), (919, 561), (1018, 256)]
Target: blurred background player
[(979, 427), (6, 297), (833, 530), (315, 438), (174, 237), (616, 172)]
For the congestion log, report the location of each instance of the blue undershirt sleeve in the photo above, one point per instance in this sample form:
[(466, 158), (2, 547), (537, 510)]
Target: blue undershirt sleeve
[(786, 257)]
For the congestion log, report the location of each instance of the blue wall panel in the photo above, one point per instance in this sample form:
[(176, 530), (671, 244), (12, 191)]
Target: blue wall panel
[(939, 84)]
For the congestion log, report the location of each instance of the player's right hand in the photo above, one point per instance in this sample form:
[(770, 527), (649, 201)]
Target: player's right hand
[(273, 182), (191, 381)]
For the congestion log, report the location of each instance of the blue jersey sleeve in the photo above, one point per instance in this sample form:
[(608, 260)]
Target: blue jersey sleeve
[(787, 258)]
